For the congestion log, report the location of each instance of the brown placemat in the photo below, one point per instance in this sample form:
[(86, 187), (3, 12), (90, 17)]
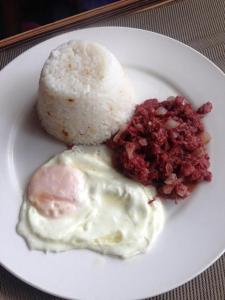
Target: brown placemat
[(200, 24)]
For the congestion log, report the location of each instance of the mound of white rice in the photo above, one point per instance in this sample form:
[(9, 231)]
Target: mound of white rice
[(84, 94)]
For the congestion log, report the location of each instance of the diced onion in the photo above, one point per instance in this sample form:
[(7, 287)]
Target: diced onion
[(161, 111), (171, 123)]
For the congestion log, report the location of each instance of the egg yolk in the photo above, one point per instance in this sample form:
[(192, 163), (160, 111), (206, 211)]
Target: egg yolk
[(54, 190)]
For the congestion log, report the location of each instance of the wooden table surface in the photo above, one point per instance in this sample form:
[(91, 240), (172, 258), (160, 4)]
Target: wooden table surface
[(122, 7)]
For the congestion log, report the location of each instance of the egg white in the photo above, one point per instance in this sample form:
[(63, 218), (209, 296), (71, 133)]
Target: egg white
[(113, 216)]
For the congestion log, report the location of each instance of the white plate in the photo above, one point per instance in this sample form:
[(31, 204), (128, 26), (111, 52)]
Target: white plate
[(193, 236)]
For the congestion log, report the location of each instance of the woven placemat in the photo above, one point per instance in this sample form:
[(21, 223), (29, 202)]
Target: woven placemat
[(200, 24)]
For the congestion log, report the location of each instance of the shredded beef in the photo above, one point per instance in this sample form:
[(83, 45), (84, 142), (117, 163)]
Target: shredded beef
[(164, 144)]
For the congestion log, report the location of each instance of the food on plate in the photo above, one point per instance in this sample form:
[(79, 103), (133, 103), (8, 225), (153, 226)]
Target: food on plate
[(78, 200), (84, 94), (164, 144)]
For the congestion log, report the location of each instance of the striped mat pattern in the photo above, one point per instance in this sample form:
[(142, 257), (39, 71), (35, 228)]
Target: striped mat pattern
[(200, 24)]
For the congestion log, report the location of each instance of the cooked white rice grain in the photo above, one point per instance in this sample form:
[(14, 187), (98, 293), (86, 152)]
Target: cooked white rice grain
[(84, 94)]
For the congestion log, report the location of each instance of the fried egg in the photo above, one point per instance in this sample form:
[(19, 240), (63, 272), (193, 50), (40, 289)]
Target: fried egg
[(77, 200)]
